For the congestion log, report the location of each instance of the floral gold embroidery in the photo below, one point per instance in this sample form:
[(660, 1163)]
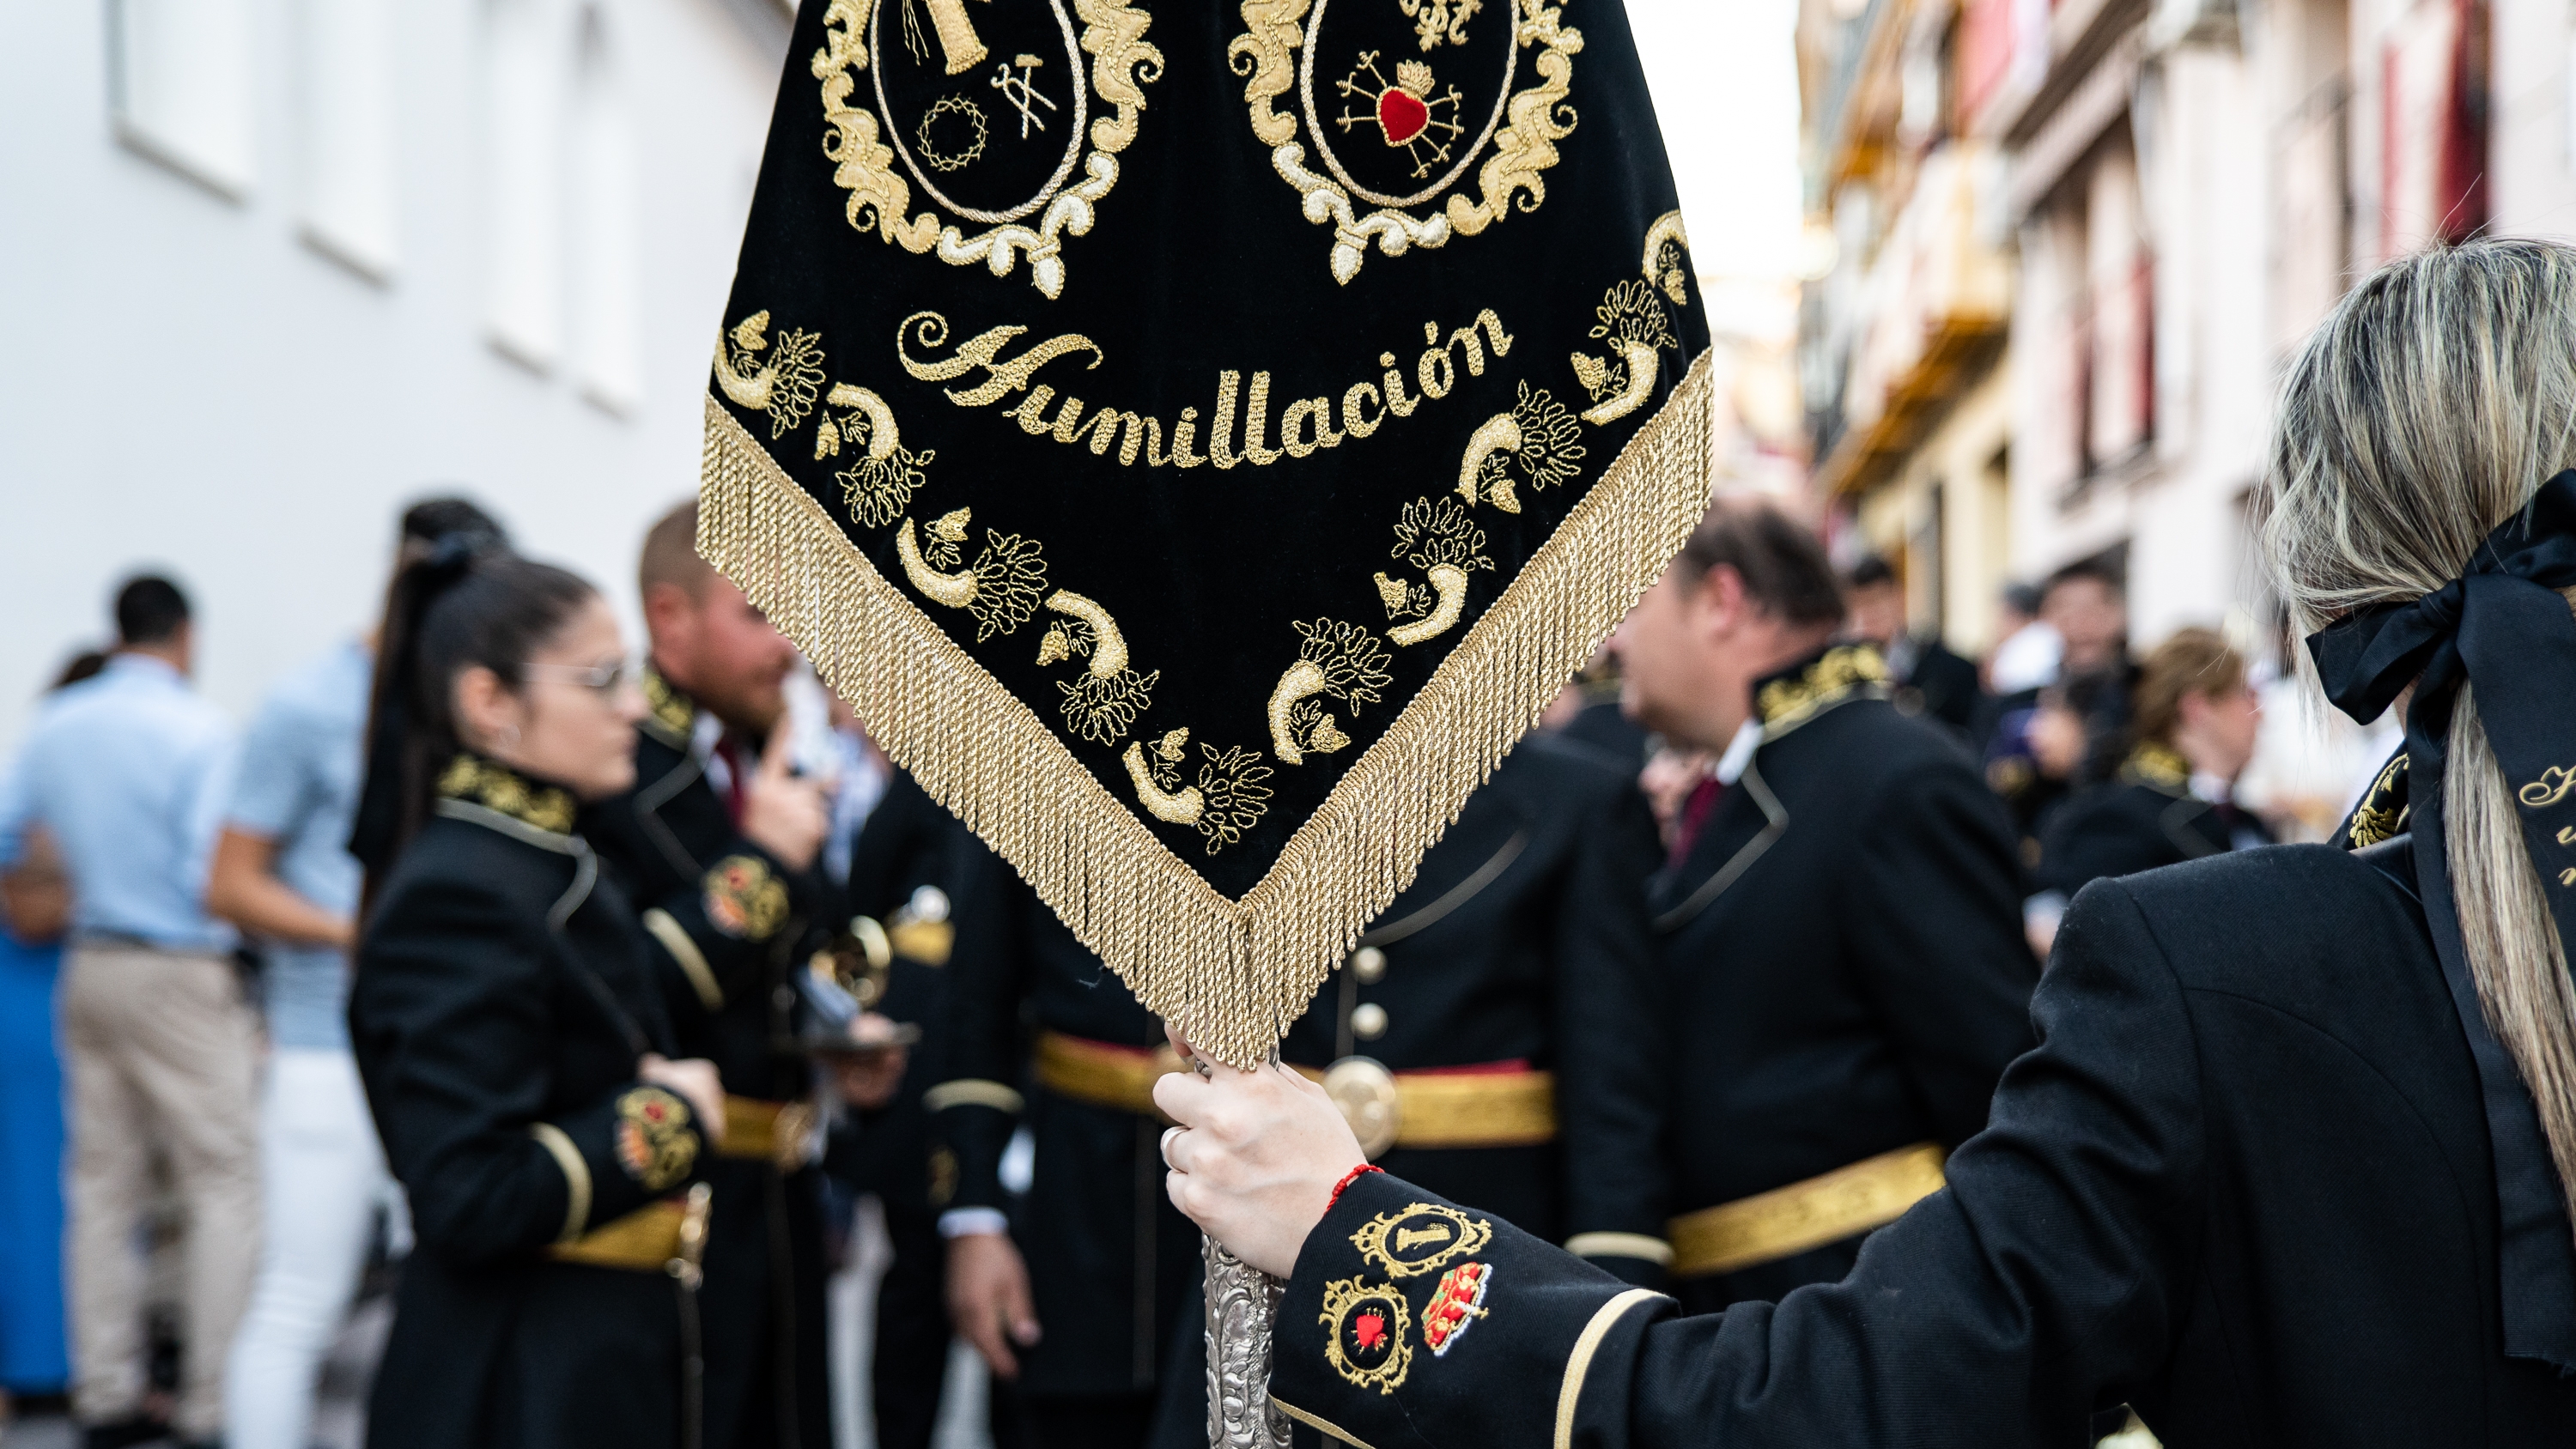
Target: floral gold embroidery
[(2383, 811), (1438, 537), (743, 899), (1370, 1326), (783, 385), (1538, 434), (1002, 589), (878, 195), (655, 1142), (2157, 767), (1635, 326), (478, 781), (1157, 778), (1341, 661), (668, 714), (1236, 798), (1667, 262), (1843, 672)]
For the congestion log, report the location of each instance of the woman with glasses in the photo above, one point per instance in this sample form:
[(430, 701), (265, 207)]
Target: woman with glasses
[(2290, 1163), (515, 1053)]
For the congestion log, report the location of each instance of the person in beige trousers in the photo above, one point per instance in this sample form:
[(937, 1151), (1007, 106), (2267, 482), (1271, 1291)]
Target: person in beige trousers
[(127, 772)]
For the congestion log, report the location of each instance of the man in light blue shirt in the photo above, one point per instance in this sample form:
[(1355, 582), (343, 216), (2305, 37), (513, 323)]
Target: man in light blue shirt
[(128, 771)]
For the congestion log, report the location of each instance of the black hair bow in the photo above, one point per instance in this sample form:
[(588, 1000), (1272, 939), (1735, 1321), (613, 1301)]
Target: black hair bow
[(2503, 627)]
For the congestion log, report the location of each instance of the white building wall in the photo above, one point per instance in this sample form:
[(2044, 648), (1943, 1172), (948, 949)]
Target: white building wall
[(237, 377), (2531, 157)]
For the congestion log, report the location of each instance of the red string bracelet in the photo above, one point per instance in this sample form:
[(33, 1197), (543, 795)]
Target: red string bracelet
[(1351, 1177)]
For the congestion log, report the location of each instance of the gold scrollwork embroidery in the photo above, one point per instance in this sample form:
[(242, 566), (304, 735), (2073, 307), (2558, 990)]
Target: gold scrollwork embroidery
[(879, 486), (1437, 536), (1370, 1345), (2549, 789), (783, 385), (1424, 1238), (1785, 703), (1103, 704), (2384, 810), (1538, 433), (498, 788), (1512, 176), (1667, 261), (879, 197), (1437, 20), (1343, 662), (1634, 325)]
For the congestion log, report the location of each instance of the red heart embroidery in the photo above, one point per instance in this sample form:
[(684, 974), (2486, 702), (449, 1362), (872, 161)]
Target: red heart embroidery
[(1401, 115), (1369, 1330)]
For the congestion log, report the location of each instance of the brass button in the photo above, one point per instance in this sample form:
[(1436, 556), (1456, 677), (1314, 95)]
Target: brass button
[(1368, 963), (1368, 1021)]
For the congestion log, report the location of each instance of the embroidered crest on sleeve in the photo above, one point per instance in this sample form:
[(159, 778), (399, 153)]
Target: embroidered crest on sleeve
[(1369, 1326), (655, 1142), (1455, 1305), (744, 900), (1423, 1238)]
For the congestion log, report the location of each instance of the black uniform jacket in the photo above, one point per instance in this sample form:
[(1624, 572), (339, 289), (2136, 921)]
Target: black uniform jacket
[(2144, 817), (501, 999), (1111, 1263), (2243, 1184), (1940, 683), (1523, 940), (726, 920), (1844, 956)]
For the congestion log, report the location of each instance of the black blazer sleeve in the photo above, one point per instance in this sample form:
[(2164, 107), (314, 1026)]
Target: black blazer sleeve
[(2048, 1279), (1612, 1042), (453, 1014), (974, 1110), (1933, 918), (713, 936)]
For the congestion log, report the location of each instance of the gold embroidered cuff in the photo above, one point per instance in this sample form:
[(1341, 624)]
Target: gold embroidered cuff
[(576, 1173), (969, 1092), (1579, 1363), (1621, 1245), (674, 937)]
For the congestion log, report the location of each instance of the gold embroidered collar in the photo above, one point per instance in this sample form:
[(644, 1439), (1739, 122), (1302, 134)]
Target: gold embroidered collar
[(2383, 812), (2158, 767), (503, 791), (669, 715), (1793, 697)]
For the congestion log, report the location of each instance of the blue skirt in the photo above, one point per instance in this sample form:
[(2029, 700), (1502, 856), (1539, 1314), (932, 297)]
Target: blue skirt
[(33, 1356)]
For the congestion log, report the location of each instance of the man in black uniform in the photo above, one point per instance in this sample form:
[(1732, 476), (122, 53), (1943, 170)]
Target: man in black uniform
[(2173, 798), (1495, 1034), (903, 874), (716, 844), (1926, 677), (1841, 926), (1074, 1297)]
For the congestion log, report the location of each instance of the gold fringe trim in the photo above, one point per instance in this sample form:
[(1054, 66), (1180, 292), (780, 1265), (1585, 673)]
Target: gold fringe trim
[(1232, 975)]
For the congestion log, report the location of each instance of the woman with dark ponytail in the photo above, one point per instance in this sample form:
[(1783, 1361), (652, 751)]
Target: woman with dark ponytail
[(513, 1049), (2291, 1163)]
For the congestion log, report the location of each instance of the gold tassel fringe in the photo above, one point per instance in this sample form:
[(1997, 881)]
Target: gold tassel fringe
[(1232, 975)]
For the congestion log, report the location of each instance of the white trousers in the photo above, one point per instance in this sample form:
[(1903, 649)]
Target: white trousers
[(324, 1177)]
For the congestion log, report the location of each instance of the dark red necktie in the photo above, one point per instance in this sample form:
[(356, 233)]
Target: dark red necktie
[(732, 755), (1695, 812)]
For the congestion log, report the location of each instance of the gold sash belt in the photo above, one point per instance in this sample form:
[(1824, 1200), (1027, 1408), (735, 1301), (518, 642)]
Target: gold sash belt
[(659, 1237), (1827, 1208), (1509, 1108), (1104, 1074), (775, 1132)]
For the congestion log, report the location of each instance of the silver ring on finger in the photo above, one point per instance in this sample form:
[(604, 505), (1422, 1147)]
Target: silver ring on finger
[(1168, 1134)]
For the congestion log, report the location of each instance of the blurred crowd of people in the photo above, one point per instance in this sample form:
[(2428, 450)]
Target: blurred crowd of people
[(1772, 913)]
